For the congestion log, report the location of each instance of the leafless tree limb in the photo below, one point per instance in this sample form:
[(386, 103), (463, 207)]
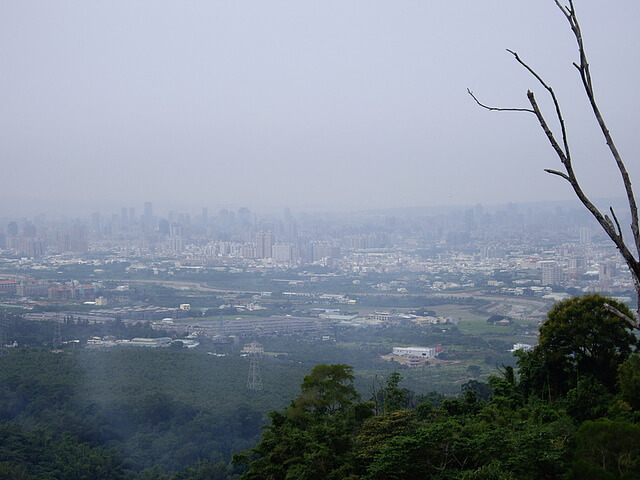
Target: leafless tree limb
[(498, 109), (615, 219), (612, 228), (618, 313), (555, 172), (585, 76)]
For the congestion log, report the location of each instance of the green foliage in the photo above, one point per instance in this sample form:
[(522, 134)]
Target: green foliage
[(483, 390), (390, 397), (380, 429), (31, 455), (493, 471), (474, 370), (607, 449), (327, 389), (588, 400), (204, 471), (162, 408), (394, 397), (459, 438), (425, 454), (504, 429), (461, 444), (629, 381), (580, 337), (174, 414), (313, 438), (504, 390)]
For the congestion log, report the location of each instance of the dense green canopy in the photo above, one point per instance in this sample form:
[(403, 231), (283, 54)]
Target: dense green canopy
[(579, 338)]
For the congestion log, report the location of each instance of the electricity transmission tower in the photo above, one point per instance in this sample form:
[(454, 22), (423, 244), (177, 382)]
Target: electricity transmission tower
[(57, 336), (3, 341), (254, 380)]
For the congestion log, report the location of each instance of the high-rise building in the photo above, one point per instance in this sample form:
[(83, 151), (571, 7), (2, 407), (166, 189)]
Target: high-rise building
[(607, 271), (577, 265), (552, 274), (175, 237), (79, 239), (585, 235), (31, 247), (469, 223), (147, 218), (95, 222), (12, 229), (282, 252), (164, 226), (264, 244), (63, 241), (29, 230)]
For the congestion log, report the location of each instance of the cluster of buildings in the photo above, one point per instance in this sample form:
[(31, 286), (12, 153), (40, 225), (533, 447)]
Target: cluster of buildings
[(246, 326), (515, 251), (27, 287), (160, 342), (27, 239)]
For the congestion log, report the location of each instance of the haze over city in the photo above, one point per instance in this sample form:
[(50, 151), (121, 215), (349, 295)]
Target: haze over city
[(246, 240), (335, 105)]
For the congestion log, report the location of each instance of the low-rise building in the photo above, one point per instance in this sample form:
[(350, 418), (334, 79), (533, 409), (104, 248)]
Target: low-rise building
[(421, 352)]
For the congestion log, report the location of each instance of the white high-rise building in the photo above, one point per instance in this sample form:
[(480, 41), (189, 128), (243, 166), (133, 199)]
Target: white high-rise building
[(175, 237), (585, 235), (552, 274)]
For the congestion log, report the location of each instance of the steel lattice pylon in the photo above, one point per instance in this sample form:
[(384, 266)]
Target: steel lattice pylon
[(57, 336), (254, 380), (3, 340)]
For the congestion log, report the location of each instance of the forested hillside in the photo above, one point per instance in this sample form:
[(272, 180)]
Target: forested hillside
[(118, 413), (572, 413), (570, 409)]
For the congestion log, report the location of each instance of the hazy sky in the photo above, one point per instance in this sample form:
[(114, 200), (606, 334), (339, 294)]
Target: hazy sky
[(350, 103)]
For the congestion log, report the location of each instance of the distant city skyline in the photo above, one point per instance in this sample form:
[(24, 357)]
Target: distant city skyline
[(518, 250), (348, 106), (24, 208)]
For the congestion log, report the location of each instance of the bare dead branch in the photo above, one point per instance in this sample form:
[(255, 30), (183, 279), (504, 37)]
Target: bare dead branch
[(585, 76), (560, 174), (615, 218), (566, 11), (556, 103), (611, 227), (529, 69), (498, 109), (610, 224), (619, 314), (564, 158)]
